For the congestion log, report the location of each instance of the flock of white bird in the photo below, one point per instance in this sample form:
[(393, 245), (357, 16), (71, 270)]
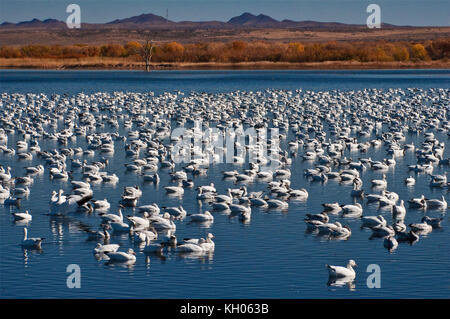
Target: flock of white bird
[(317, 126)]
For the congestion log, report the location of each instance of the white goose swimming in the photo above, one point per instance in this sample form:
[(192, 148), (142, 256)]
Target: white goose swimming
[(379, 182), (352, 210), (22, 216), (149, 209), (341, 232), (31, 242), (120, 256), (410, 181), (192, 247), (383, 231), (101, 204), (138, 223), (62, 205), (332, 207), (421, 227), (175, 190), (202, 217), (418, 202), (373, 221), (164, 223), (103, 249), (399, 211), (276, 203), (152, 248), (436, 203), (178, 212), (339, 271), (112, 217)]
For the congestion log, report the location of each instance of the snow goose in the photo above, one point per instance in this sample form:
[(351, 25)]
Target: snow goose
[(421, 227), (259, 202), (101, 204), (6, 176), (399, 211), (31, 242), (152, 178), (220, 206), (332, 207), (104, 249), (138, 222), (208, 188), (164, 223), (149, 209), (301, 193), (341, 232), (120, 226), (175, 190), (100, 234), (383, 231), (202, 217), (112, 217), (178, 212), (152, 248), (191, 247), (121, 256), (224, 198), (339, 271), (436, 203), (418, 202), (230, 174), (39, 169), (61, 205), (434, 222), (4, 192), (321, 217), (352, 210), (312, 225), (379, 182), (327, 228), (373, 221), (208, 245), (237, 209), (141, 236), (22, 216), (22, 191), (276, 203), (376, 197)]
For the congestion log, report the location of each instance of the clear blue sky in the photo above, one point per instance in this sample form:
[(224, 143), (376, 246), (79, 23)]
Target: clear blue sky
[(399, 12)]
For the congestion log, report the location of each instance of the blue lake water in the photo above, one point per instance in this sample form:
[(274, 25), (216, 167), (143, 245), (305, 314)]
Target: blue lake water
[(270, 257)]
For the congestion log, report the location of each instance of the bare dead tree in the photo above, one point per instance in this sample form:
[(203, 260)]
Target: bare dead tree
[(146, 52)]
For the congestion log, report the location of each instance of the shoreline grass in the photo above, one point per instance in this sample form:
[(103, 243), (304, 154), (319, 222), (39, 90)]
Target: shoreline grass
[(97, 63)]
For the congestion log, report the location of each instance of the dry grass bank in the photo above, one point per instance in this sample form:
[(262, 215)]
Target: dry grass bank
[(97, 63)]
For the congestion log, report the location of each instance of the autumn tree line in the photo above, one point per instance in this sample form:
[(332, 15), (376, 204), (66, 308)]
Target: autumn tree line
[(240, 51)]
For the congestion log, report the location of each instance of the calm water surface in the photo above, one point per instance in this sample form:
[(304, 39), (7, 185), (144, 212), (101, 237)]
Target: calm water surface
[(271, 257)]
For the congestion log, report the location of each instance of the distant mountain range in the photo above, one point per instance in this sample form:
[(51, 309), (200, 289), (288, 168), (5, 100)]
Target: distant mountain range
[(149, 20)]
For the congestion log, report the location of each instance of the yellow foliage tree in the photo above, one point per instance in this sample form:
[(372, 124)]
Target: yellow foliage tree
[(419, 52)]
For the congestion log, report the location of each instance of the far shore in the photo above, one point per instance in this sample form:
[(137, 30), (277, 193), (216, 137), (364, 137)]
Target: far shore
[(127, 64)]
